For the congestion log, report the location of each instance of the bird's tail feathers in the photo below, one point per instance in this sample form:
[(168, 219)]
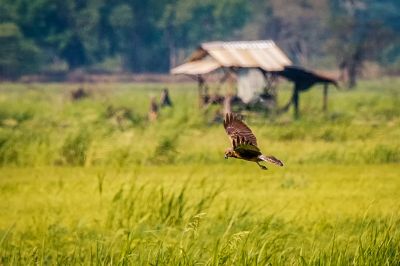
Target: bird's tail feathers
[(271, 159)]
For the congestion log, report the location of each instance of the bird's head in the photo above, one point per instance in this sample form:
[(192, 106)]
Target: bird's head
[(229, 153)]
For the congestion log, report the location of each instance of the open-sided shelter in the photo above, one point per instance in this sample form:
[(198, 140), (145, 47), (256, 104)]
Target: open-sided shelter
[(233, 57)]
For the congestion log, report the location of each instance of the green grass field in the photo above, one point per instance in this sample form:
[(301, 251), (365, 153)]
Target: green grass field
[(93, 182)]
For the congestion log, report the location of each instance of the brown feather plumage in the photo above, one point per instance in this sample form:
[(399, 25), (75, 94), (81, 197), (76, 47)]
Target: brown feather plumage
[(244, 143), (238, 131)]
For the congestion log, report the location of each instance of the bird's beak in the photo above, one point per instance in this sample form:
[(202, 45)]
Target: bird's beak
[(226, 156)]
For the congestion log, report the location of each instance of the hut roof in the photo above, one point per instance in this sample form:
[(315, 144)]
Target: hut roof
[(243, 54)]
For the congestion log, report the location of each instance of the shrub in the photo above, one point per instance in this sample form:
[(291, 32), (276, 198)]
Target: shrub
[(75, 148)]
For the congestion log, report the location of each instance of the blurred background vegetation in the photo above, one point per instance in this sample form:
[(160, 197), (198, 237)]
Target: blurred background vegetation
[(42, 125), (86, 178), (52, 36)]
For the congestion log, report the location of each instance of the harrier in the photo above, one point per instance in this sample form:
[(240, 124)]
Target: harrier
[(244, 143)]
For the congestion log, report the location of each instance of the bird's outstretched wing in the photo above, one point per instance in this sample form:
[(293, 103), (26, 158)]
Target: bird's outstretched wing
[(238, 131), (245, 149)]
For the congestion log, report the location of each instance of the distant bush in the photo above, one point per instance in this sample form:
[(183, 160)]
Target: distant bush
[(123, 117), (8, 151), (293, 133), (165, 151), (18, 55), (17, 113), (22, 146), (75, 148), (383, 154)]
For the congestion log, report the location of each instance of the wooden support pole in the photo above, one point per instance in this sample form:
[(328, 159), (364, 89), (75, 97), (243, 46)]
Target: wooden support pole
[(270, 88), (231, 80), (200, 84), (325, 100), (227, 104), (296, 103)]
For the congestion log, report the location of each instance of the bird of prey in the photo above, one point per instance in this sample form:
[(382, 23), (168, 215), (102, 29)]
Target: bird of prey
[(244, 143)]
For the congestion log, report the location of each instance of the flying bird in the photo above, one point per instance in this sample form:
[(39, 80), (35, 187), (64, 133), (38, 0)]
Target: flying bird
[(244, 143)]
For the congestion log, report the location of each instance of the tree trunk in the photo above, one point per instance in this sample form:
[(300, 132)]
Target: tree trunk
[(172, 55), (352, 75), (354, 66), (171, 46)]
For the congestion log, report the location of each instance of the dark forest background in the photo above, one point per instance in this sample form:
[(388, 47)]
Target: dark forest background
[(49, 36)]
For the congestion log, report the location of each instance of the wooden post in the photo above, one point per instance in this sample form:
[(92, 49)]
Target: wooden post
[(325, 100), (296, 102), (270, 88), (227, 104), (200, 84), (231, 82)]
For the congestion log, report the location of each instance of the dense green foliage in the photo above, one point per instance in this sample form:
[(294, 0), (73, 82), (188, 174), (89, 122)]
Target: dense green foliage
[(93, 182), (152, 35), (17, 54), (141, 34)]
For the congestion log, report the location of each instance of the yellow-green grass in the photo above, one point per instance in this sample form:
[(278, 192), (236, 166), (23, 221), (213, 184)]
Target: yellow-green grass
[(300, 214), (79, 185), (41, 126)]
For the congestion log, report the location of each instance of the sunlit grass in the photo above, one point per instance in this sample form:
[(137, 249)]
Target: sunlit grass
[(79, 185), (191, 214)]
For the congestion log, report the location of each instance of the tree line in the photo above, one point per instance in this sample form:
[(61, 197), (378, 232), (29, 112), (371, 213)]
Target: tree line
[(153, 35)]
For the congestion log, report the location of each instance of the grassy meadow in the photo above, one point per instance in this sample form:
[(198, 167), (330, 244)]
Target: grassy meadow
[(94, 182)]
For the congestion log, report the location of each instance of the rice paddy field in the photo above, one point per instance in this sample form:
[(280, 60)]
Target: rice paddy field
[(93, 182)]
